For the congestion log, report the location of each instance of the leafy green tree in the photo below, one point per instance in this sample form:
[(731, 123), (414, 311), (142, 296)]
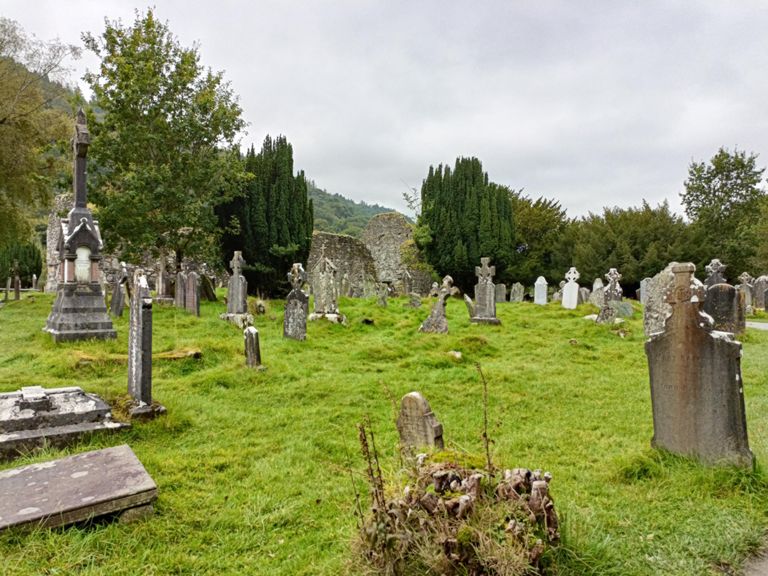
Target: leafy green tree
[(165, 145), (33, 130), (271, 221), (723, 198), (464, 217), (26, 255), (539, 224)]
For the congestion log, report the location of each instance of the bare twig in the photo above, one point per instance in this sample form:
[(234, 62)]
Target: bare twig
[(486, 439)]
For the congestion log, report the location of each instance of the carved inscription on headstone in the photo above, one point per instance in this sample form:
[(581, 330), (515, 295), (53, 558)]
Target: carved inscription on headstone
[(418, 426)]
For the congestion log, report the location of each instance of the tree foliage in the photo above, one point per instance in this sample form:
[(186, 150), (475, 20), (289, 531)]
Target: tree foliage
[(464, 216), (22, 258), (723, 199), (33, 132), (272, 218), (334, 213), (165, 146)]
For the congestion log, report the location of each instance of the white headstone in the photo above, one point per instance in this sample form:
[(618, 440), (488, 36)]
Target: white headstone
[(571, 289), (540, 291)]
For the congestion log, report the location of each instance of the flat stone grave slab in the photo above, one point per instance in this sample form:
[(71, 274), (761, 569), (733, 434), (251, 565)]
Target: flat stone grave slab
[(74, 489), (34, 416)]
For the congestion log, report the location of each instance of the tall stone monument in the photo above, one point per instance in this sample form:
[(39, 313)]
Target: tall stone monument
[(613, 292), (696, 386), (296, 305), (79, 310), (484, 310), (571, 289), (140, 349), (237, 291), (540, 291)]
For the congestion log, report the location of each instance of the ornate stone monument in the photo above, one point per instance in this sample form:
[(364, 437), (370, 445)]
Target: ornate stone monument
[(296, 305), (540, 291), (436, 322), (715, 271), (417, 424), (571, 289), (484, 311), (696, 386), (79, 310)]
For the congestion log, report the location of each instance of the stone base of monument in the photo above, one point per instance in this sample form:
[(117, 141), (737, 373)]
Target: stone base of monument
[(333, 318), (478, 320), (242, 321), (142, 411), (35, 417), (79, 313), (75, 489)]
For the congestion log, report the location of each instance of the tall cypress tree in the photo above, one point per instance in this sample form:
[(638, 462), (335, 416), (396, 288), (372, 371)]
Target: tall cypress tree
[(465, 216), (272, 218)]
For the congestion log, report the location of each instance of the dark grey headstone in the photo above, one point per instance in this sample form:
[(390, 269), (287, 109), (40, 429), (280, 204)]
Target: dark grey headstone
[(715, 270), (727, 307), (140, 341), (252, 348), (180, 291), (17, 288), (74, 489), (696, 385), (192, 299), (485, 294)]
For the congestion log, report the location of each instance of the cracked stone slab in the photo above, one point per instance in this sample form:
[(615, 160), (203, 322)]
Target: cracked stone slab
[(74, 489)]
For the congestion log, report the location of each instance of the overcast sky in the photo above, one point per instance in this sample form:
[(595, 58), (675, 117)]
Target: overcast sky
[(591, 103)]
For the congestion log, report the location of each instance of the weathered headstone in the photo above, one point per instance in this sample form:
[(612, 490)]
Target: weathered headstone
[(163, 292), (516, 292), (207, 289), (597, 297), (237, 290), (613, 291), (117, 302), (382, 291), (745, 287), (76, 488), (79, 311), (470, 306), (657, 309), (584, 295), (644, 290), (715, 270), (726, 305), (192, 299), (252, 348), (34, 282), (571, 289), (325, 292), (414, 300), (180, 292), (407, 279), (540, 291), (485, 294), (436, 322), (296, 305), (417, 424), (501, 293), (16, 287), (759, 287), (140, 349), (696, 386)]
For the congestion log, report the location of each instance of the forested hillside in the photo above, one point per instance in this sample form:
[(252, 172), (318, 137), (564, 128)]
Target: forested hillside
[(334, 213)]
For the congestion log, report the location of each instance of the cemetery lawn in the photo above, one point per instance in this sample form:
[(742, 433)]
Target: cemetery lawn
[(253, 467)]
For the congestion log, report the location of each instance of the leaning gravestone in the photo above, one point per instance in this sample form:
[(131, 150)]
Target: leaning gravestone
[(252, 348), (657, 309), (140, 350), (540, 291), (417, 424), (296, 305), (516, 292), (571, 289), (696, 386), (758, 292), (192, 299), (436, 322), (715, 270), (501, 293), (726, 305), (76, 488), (485, 295)]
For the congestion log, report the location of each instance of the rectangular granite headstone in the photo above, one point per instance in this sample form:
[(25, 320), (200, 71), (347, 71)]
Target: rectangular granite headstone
[(74, 489)]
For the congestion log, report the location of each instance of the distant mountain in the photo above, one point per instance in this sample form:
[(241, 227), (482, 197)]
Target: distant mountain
[(334, 213)]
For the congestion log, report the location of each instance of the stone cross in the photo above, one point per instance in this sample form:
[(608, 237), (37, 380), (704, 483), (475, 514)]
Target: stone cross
[(436, 321), (696, 386), (484, 310), (140, 341), (484, 272), (613, 291), (715, 271), (745, 278), (296, 305), (570, 297), (237, 263), (80, 144), (252, 348), (237, 290), (417, 424)]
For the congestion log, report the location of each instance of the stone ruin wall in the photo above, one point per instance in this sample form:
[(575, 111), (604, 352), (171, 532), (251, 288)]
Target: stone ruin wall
[(61, 206), (351, 257), (384, 237)]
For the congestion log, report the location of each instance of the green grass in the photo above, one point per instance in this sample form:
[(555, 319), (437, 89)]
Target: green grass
[(252, 466)]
